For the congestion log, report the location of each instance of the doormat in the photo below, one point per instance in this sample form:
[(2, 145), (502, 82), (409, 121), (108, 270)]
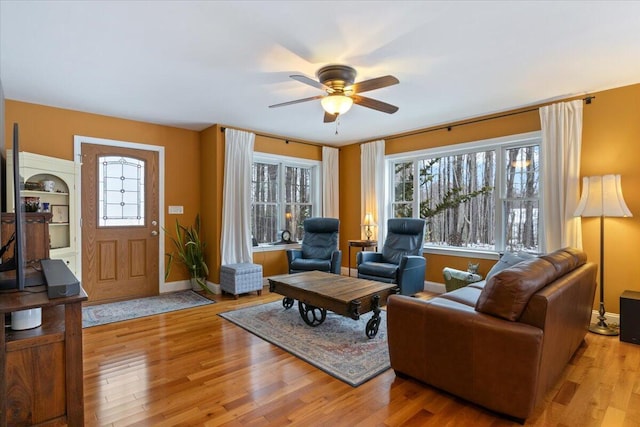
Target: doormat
[(101, 314), (339, 346)]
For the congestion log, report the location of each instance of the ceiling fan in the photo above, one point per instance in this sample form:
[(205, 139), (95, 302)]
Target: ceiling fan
[(342, 91)]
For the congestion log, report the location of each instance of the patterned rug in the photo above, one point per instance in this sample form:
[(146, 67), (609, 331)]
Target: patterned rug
[(338, 346), (101, 314)]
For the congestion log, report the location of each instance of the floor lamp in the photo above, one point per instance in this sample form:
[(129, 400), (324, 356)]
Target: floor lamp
[(602, 197)]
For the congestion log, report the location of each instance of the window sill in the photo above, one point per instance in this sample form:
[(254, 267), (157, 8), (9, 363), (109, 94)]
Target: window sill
[(268, 247), (461, 252)]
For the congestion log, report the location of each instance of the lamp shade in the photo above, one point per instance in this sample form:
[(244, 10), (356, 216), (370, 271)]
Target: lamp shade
[(336, 104), (602, 196), (368, 219)]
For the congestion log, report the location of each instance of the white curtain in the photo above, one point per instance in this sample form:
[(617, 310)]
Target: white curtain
[(372, 188), (561, 145), (236, 197), (330, 189)]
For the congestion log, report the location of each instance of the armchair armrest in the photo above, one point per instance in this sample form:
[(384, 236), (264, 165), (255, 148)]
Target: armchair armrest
[(411, 272), (293, 254), (336, 261), (368, 257)]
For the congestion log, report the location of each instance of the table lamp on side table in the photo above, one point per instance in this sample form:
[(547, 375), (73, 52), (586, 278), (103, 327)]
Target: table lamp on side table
[(368, 223)]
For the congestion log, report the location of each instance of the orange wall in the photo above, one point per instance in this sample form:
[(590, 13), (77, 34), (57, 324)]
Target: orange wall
[(350, 214), (610, 144), (212, 177), (195, 165), (50, 131)]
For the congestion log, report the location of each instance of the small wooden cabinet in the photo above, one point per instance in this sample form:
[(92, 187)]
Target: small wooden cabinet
[(36, 234), (41, 368)]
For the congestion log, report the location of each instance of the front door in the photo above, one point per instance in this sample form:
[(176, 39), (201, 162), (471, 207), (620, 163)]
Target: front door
[(120, 228)]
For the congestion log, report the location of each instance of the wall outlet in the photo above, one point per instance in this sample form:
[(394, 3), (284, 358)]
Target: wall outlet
[(176, 209)]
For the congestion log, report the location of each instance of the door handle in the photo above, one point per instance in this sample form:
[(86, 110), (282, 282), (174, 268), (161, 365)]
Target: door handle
[(154, 233)]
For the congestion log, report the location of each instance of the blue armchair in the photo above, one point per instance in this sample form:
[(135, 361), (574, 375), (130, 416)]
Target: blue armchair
[(319, 247), (401, 259)]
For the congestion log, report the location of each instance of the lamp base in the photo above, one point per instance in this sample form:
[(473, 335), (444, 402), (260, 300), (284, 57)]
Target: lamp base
[(603, 329)]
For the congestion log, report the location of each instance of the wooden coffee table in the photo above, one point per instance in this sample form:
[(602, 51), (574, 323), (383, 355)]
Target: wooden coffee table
[(318, 292)]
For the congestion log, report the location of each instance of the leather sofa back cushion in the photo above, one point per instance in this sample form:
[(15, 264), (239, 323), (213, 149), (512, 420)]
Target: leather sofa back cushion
[(507, 293), (566, 259)]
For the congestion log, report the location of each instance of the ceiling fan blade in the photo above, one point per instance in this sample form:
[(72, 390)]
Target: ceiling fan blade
[(329, 118), (306, 80), (376, 83), (297, 101), (374, 104)]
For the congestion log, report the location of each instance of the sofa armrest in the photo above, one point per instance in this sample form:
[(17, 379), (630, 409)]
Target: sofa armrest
[(365, 256), (482, 358)]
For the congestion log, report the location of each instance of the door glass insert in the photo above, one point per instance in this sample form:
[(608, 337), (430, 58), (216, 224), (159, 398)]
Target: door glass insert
[(120, 191)]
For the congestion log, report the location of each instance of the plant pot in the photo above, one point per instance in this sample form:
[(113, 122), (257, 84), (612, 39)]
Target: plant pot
[(196, 283)]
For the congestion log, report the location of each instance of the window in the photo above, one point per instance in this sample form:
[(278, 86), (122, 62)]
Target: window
[(120, 191), (483, 195), (284, 192)]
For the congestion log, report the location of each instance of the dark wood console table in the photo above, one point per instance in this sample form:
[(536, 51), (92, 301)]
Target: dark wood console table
[(41, 368)]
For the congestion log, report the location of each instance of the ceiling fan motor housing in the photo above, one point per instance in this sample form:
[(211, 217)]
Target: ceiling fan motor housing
[(337, 77)]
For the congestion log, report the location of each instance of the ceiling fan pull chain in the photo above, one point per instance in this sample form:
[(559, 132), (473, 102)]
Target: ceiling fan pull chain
[(337, 123)]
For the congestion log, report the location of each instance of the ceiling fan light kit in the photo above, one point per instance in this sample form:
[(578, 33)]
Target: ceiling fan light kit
[(338, 81), (336, 104)]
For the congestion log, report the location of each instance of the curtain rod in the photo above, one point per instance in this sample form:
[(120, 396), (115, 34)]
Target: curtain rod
[(449, 127), (586, 99), (286, 140)]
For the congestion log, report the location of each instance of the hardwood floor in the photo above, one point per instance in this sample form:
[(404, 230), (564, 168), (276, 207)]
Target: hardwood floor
[(192, 367)]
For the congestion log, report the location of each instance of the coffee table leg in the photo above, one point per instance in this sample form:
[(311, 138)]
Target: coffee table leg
[(374, 323), (312, 316), (287, 302)]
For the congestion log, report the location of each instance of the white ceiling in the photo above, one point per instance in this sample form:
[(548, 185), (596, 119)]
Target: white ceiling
[(193, 64)]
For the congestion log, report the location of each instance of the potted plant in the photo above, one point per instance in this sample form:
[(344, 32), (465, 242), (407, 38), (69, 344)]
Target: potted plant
[(189, 250)]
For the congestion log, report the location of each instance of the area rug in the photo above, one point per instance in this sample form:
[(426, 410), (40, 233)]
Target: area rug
[(101, 314), (338, 346)]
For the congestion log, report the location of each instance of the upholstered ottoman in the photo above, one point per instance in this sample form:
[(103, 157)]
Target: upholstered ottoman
[(241, 278)]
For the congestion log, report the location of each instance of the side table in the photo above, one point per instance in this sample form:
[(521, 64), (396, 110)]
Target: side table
[(364, 244)]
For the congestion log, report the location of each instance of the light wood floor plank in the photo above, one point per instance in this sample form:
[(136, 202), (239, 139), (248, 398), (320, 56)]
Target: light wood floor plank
[(191, 367)]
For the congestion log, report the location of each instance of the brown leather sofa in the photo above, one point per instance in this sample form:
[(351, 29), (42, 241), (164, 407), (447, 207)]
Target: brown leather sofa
[(501, 343)]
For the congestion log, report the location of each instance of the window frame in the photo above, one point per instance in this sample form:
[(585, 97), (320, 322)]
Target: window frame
[(500, 145), (297, 162)]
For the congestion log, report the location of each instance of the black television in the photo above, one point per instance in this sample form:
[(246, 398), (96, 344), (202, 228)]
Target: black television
[(13, 273)]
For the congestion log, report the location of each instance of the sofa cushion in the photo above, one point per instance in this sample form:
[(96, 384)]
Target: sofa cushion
[(507, 293), (507, 260), (565, 260)]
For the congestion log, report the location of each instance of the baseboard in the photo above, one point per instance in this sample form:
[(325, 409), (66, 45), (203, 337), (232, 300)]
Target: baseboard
[(178, 285), (182, 285), (613, 319), (435, 287)]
